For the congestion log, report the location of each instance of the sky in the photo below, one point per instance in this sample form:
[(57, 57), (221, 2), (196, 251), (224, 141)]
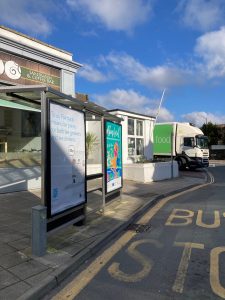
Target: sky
[(132, 50)]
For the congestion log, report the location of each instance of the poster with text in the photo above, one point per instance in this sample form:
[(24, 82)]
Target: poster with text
[(113, 156), (67, 141)]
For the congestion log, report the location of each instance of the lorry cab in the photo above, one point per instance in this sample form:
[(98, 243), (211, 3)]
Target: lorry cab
[(196, 150)]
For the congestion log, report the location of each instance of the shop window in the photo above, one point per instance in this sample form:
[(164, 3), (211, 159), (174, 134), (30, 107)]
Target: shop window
[(20, 138), (139, 128), (131, 126), (135, 137), (131, 146), (140, 146)]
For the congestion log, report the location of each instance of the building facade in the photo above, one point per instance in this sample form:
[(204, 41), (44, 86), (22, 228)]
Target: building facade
[(137, 131), (29, 62)]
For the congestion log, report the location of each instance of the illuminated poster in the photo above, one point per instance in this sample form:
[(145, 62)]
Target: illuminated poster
[(67, 141), (113, 156)]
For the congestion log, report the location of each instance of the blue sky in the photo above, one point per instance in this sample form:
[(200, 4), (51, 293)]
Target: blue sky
[(134, 49)]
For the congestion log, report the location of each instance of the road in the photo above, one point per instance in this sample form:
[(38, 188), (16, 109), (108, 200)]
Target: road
[(178, 252)]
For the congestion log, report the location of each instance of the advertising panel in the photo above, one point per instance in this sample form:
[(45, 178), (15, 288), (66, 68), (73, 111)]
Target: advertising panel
[(162, 139), (67, 143), (113, 156)]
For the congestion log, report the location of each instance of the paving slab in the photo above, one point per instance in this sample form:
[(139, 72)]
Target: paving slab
[(13, 259), (14, 291), (20, 244), (7, 278), (36, 279), (28, 269), (6, 249)]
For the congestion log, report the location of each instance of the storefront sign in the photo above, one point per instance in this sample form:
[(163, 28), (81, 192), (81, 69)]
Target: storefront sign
[(67, 142), (23, 71), (113, 156)]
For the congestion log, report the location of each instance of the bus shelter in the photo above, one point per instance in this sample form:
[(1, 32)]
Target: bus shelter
[(65, 147)]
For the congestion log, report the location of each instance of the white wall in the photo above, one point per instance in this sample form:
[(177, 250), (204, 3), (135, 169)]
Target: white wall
[(149, 172), (14, 180), (68, 83)]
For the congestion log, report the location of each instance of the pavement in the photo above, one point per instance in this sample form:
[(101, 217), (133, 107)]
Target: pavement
[(24, 276)]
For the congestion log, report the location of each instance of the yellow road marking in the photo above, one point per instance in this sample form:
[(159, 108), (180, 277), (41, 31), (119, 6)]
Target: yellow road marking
[(183, 266), (214, 225), (85, 277), (217, 288), (147, 263), (80, 281), (174, 215)]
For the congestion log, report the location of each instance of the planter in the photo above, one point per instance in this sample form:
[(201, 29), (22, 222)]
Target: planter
[(149, 172)]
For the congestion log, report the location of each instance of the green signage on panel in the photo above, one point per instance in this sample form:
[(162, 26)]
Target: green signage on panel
[(113, 156), (39, 76), (162, 138)]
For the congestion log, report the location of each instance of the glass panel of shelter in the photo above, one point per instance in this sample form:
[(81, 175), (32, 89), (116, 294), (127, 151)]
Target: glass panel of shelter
[(94, 161)]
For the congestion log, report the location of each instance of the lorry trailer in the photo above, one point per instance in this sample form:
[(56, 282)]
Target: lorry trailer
[(183, 142)]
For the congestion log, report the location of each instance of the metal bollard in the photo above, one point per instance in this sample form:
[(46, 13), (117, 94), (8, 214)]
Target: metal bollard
[(39, 230)]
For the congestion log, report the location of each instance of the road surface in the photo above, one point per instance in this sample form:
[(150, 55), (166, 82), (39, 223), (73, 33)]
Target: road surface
[(175, 251)]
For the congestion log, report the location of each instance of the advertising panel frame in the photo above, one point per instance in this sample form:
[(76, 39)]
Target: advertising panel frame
[(105, 154), (60, 218)]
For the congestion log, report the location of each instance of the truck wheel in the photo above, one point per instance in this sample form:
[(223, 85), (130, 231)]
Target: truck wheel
[(181, 164)]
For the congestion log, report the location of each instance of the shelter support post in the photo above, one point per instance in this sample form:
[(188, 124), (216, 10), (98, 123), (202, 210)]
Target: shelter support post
[(172, 149), (103, 163), (44, 129), (39, 230)]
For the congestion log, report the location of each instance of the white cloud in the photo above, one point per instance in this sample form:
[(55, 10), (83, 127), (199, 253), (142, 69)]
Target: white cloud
[(92, 74), (164, 115), (211, 48), (123, 99), (158, 77), (200, 117), (25, 15), (202, 15), (117, 15), (132, 101)]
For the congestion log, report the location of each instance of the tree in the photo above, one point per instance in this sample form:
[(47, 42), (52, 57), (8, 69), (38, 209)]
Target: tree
[(212, 132)]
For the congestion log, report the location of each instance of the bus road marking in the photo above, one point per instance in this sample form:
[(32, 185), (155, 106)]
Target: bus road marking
[(71, 290)]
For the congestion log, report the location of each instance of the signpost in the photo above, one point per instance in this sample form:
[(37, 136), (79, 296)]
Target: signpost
[(113, 160)]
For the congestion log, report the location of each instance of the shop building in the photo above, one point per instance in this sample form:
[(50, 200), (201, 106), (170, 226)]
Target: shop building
[(137, 135), (25, 61), (30, 65)]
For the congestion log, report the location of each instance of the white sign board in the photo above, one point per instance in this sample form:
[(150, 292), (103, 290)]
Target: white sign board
[(67, 141)]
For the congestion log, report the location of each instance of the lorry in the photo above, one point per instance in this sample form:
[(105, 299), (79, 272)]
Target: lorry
[(182, 142)]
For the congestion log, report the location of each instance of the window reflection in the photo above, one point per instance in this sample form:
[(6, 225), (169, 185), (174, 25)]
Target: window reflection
[(130, 126), (20, 144)]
